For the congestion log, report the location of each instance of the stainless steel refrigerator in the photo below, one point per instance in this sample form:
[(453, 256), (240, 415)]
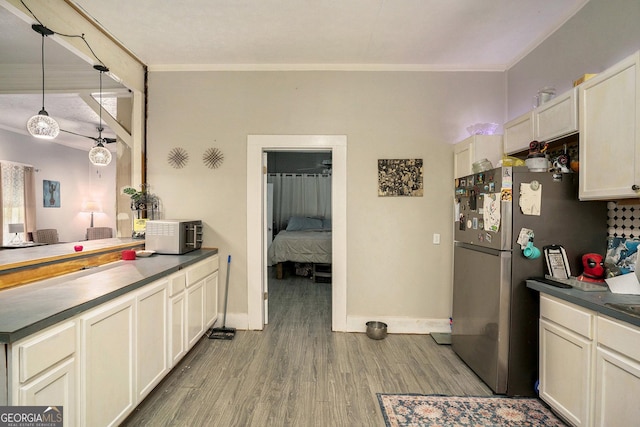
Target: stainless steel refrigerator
[(495, 316)]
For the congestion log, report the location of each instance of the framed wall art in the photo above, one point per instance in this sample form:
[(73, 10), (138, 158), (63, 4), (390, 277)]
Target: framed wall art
[(400, 177), (50, 194)]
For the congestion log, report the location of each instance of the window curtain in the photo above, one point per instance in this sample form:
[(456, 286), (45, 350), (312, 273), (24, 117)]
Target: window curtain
[(29, 200), (17, 183), (299, 195)]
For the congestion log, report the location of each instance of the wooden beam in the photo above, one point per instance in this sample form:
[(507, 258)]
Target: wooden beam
[(120, 131)]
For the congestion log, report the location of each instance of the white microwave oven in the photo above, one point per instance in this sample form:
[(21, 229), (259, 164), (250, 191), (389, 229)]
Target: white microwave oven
[(173, 236)]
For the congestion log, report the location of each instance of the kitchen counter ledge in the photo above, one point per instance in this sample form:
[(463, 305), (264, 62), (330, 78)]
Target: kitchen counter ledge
[(11, 259), (31, 264), (29, 308), (591, 300)]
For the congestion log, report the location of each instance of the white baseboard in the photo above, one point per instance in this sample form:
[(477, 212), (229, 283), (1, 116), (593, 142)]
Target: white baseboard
[(395, 325), (400, 325), (234, 320)]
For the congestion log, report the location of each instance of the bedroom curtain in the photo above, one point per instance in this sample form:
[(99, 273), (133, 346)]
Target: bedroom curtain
[(300, 195)]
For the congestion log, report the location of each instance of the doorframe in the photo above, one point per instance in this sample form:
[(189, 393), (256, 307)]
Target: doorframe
[(256, 201)]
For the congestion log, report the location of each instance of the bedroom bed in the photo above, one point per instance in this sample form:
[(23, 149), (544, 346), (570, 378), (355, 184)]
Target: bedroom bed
[(306, 240)]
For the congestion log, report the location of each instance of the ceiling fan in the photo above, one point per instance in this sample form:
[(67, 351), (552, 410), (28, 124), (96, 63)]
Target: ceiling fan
[(98, 139), (323, 167)]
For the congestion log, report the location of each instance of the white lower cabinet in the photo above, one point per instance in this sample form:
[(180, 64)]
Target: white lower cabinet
[(108, 362), (178, 345), (100, 364), (211, 300), (193, 306), (45, 370), (56, 387), (177, 318), (617, 374), (589, 365), (195, 313), (566, 359), (202, 298), (151, 337)]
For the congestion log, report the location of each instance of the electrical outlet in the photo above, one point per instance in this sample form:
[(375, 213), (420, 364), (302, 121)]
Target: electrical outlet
[(436, 238)]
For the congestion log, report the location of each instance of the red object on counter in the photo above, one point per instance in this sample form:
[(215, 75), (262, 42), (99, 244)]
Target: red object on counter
[(77, 248), (593, 266), (128, 255)]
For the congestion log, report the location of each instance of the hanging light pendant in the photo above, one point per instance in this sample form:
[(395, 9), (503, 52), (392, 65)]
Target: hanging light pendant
[(41, 125), (99, 155)]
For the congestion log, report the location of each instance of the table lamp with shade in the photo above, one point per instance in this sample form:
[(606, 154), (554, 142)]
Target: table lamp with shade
[(91, 206), (16, 228)]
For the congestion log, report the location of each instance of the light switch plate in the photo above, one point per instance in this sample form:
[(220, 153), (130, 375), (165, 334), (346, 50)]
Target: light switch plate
[(436, 238)]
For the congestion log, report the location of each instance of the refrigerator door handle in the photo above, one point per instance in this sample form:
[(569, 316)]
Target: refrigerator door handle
[(483, 249)]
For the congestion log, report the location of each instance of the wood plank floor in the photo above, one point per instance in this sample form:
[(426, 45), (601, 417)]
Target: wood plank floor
[(298, 373)]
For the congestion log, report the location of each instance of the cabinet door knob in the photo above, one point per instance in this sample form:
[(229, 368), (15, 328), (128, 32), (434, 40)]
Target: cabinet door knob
[(635, 187)]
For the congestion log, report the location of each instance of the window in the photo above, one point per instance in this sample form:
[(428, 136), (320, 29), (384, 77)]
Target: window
[(17, 181)]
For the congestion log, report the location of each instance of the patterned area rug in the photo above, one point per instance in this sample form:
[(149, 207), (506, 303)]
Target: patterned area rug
[(403, 410)]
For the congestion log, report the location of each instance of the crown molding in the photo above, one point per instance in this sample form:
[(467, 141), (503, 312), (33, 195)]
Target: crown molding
[(327, 67)]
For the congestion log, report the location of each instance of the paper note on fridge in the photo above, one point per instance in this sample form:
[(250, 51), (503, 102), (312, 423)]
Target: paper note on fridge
[(530, 198), (491, 212)]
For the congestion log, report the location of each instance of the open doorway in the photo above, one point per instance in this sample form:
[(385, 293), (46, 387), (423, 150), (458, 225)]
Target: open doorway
[(299, 233), (257, 278)]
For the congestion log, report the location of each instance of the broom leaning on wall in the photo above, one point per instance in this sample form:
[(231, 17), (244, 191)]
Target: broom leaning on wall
[(224, 333)]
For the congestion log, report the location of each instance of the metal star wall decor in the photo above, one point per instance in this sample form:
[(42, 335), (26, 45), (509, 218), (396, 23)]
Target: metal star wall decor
[(212, 158), (178, 157)]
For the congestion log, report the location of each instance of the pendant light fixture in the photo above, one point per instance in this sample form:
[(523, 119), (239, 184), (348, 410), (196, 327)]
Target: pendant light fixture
[(99, 155), (41, 125)]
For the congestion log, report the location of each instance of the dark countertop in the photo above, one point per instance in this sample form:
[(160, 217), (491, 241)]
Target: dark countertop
[(591, 300), (30, 308)]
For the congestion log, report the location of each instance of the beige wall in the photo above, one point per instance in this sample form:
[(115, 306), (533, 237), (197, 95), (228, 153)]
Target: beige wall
[(393, 269), (602, 33)]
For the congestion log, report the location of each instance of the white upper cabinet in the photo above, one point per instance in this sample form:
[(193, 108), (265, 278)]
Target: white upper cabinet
[(557, 118), (518, 133), (473, 149), (610, 132), (551, 120)]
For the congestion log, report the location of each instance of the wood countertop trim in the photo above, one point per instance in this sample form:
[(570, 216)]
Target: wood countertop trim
[(71, 255), (31, 270)]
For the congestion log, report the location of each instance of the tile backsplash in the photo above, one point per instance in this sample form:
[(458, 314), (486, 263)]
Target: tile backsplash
[(623, 220)]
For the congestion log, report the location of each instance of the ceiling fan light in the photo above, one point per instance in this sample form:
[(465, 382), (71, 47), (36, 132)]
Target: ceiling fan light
[(43, 126), (99, 156)]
